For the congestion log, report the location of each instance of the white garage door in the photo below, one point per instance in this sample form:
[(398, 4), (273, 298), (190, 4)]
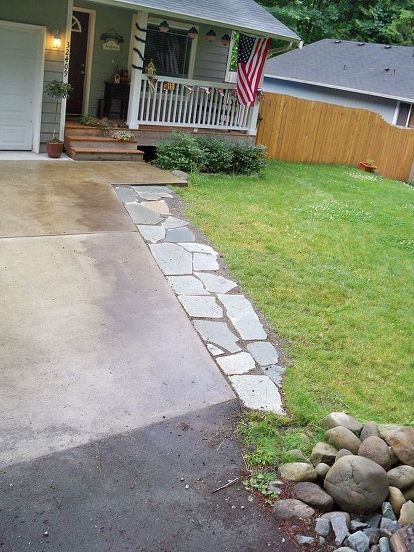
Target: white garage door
[(20, 48)]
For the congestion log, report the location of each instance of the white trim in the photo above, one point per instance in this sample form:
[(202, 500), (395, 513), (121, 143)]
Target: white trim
[(66, 61), (89, 57), (227, 73), (396, 112), (40, 75), (345, 88), (141, 18)]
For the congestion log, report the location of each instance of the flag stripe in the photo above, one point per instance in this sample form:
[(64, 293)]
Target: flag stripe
[(251, 58)]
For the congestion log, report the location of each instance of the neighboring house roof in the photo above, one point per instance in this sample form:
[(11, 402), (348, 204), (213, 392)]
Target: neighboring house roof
[(374, 69), (240, 15)]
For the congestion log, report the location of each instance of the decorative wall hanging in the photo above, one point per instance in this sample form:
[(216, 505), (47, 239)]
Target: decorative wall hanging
[(112, 40), (211, 35), (150, 69), (192, 33)]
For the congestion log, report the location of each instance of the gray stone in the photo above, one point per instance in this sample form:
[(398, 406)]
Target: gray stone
[(402, 443), (205, 261), (357, 484), (141, 215), (323, 527), (198, 248), (374, 548), (323, 452), (384, 544), (335, 419), (373, 534), (173, 222), (216, 283), (340, 529), (357, 525), (377, 450), (407, 513), (304, 540), (159, 207), (239, 363), (181, 174), (313, 495), (321, 471), (341, 453), (342, 437), (201, 306), (172, 259), (215, 351), (401, 477), (258, 393), (146, 196), (176, 235), (396, 498), (322, 540), (344, 549), (217, 333), (389, 525), (297, 471), (346, 517), (263, 352), (275, 373), (187, 285), (372, 520), (359, 542), (152, 234), (243, 317), (275, 486), (388, 512), (125, 194), (297, 454), (292, 510), (369, 430), (161, 191), (388, 429)]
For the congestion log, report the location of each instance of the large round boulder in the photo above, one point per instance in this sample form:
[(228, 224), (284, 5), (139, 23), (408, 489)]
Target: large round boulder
[(292, 509), (396, 499), (402, 443), (357, 484), (322, 452), (369, 430), (401, 477), (343, 438), (335, 419), (376, 449), (313, 495), (297, 471)]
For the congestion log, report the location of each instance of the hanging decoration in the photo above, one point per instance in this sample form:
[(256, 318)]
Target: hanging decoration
[(205, 89), (112, 40), (189, 89), (221, 92), (152, 81), (169, 86), (225, 39), (164, 27), (192, 33), (139, 31), (211, 35), (150, 69)]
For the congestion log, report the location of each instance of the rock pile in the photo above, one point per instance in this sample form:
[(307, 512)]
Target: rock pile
[(363, 479)]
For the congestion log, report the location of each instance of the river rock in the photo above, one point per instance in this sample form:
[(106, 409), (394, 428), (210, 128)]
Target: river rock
[(388, 429), (401, 477), (343, 438), (384, 544), (313, 495), (335, 419), (359, 542), (304, 540), (376, 449), (292, 509), (343, 452), (322, 527), (297, 471), (402, 443), (340, 528), (357, 484), (409, 493), (345, 515), (321, 471), (407, 513), (323, 452), (369, 430), (388, 511), (396, 499)]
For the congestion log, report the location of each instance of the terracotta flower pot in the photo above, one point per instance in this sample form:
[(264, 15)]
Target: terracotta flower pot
[(54, 149), (367, 167)]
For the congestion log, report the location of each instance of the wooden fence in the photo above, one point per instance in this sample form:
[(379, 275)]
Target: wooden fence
[(306, 131)]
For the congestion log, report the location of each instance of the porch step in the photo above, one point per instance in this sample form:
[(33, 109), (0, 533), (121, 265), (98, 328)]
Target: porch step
[(104, 154), (97, 142)]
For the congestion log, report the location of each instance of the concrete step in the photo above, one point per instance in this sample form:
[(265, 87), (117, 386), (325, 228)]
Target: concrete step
[(97, 142), (104, 154)]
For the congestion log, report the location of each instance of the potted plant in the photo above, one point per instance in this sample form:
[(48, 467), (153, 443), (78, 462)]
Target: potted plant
[(58, 90), (368, 165)]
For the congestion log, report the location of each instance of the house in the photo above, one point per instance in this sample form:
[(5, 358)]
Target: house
[(375, 77), (157, 64)]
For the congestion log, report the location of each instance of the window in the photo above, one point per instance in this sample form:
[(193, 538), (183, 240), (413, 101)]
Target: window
[(170, 52), (406, 115)]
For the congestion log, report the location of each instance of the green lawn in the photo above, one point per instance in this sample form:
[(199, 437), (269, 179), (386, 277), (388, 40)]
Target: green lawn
[(327, 254)]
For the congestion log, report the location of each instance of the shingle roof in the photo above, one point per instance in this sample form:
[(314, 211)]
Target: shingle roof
[(236, 14), (376, 69)]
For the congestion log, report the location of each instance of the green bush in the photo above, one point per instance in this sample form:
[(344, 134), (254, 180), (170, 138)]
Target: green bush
[(209, 154)]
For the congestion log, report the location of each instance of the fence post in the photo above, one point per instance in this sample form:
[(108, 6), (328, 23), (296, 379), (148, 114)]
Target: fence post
[(139, 35)]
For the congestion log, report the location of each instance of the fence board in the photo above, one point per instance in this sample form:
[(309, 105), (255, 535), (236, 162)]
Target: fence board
[(299, 130)]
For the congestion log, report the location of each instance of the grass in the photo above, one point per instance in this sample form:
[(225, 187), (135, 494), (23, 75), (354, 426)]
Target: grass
[(327, 254)]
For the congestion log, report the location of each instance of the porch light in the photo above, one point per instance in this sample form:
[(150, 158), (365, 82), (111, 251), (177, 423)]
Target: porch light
[(164, 27), (192, 33), (57, 40), (211, 35), (225, 39)]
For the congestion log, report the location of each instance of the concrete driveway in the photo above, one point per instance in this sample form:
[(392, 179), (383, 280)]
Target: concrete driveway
[(101, 374)]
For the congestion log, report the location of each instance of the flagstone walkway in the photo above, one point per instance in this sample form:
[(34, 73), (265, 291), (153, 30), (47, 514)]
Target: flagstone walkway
[(224, 318)]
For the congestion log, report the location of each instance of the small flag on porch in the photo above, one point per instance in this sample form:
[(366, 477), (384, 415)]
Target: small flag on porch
[(250, 62)]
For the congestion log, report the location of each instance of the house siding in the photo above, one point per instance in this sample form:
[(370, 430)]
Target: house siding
[(383, 106), (52, 15), (211, 57)]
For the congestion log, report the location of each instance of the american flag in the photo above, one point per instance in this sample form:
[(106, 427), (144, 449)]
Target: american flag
[(250, 61)]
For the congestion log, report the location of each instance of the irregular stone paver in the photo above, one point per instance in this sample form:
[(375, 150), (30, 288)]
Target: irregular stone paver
[(176, 235), (142, 215), (187, 285), (198, 248), (275, 373), (258, 392), (152, 234), (263, 352), (240, 363), (200, 306), (125, 194), (204, 261), (243, 317), (158, 206), (149, 197), (172, 259), (217, 333), (162, 191), (215, 351), (173, 222), (216, 283)]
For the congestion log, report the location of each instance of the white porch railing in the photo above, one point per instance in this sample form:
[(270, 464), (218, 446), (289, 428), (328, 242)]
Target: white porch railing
[(177, 102)]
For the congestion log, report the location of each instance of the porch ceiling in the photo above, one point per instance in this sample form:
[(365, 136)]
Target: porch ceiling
[(240, 15)]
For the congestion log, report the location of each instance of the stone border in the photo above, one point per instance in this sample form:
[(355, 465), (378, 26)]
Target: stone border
[(224, 318)]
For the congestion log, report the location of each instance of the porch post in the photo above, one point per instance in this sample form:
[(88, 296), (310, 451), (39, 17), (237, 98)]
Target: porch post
[(65, 77), (139, 34)]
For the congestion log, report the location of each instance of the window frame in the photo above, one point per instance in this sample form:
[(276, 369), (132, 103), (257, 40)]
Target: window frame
[(409, 115)]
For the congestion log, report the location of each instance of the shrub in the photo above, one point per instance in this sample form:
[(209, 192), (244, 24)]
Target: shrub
[(248, 158), (218, 154), (181, 152)]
